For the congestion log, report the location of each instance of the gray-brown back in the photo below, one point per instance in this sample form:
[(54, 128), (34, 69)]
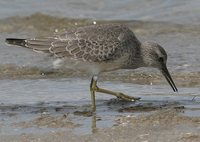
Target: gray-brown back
[(90, 43)]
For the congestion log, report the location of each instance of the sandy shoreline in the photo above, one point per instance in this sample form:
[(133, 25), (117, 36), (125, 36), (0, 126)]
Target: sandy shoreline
[(39, 113), (161, 125)]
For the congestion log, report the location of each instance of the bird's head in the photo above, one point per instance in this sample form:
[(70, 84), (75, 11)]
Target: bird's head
[(155, 56)]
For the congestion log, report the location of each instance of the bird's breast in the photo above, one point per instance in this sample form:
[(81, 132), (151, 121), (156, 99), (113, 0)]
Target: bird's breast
[(91, 67)]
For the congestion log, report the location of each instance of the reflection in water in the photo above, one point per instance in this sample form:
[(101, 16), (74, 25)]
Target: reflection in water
[(94, 123), (123, 108), (29, 87), (44, 116), (24, 100)]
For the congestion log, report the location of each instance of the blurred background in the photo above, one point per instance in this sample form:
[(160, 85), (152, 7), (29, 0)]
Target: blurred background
[(179, 11), (29, 85)]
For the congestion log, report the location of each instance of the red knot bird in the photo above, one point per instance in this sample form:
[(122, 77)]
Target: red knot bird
[(100, 48)]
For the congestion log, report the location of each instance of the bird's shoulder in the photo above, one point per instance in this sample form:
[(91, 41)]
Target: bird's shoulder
[(95, 42), (102, 32)]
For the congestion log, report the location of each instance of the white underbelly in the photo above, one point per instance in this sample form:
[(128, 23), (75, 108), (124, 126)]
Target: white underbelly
[(89, 67)]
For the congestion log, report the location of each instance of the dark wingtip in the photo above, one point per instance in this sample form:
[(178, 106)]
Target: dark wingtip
[(15, 41)]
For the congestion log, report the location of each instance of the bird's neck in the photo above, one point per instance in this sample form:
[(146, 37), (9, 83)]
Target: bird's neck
[(136, 59), (145, 56)]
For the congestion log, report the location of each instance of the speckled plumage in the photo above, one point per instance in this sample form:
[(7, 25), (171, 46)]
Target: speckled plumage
[(95, 43), (99, 48)]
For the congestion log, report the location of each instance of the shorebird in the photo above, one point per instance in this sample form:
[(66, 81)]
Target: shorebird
[(100, 48)]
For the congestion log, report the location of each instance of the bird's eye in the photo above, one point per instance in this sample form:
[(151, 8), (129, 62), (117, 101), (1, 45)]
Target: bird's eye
[(161, 59)]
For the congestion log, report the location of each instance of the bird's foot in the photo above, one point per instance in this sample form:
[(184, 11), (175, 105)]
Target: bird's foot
[(126, 97)]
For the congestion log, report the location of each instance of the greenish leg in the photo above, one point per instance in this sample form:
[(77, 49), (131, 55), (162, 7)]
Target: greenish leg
[(94, 88), (117, 94)]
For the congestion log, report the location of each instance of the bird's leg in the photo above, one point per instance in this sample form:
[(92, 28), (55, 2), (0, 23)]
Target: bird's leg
[(94, 88), (117, 94)]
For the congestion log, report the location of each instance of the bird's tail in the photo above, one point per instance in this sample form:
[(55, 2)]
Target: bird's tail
[(15, 41)]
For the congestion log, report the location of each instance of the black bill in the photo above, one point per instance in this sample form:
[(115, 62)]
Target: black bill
[(168, 77)]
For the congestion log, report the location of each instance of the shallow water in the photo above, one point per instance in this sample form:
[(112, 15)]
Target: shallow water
[(24, 100), (179, 11), (31, 88)]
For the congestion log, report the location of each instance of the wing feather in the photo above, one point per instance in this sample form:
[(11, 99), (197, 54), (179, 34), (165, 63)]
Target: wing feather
[(92, 43)]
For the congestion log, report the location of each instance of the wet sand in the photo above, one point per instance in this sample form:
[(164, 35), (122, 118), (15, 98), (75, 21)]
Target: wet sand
[(161, 125), (156, 119), (42, 104)]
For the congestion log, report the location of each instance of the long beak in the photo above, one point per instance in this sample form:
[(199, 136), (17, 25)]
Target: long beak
[(168, 77)]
